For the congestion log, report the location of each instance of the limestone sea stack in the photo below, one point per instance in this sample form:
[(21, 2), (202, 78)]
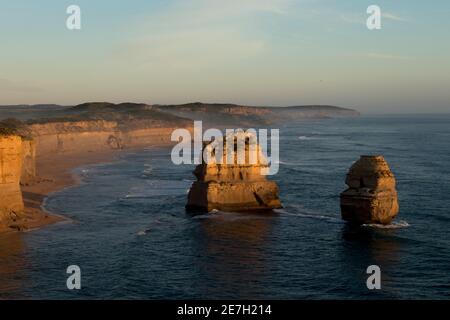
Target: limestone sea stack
[(234, 184), (371, 196)]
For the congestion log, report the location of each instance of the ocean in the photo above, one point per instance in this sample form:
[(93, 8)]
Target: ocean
[(133, 239)]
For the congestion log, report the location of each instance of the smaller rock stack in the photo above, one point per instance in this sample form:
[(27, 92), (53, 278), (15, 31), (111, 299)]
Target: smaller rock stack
[(371, 196), (230, 186)]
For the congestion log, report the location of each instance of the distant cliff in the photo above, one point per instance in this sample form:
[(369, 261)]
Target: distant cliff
[(97, 135), (92, 127), (102, 125), (214, 114), (230, 114)]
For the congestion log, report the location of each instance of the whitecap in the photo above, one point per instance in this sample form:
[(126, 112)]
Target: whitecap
[(143, 232), (311, 215), (393, 225), (286, 163)]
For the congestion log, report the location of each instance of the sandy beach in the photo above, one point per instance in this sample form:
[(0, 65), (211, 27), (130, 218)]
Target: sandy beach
[(55, 173)]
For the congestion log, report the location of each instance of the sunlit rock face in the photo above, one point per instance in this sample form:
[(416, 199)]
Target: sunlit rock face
[(28, 175), (77, 137), (371, 196), (11, 153), (237, 183)]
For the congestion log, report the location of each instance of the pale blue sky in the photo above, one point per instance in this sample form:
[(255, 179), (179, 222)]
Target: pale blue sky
[(256, 52)]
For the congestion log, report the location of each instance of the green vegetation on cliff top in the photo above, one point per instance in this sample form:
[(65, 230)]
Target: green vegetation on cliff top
[(121, 113), (12, 126), (132, 115)]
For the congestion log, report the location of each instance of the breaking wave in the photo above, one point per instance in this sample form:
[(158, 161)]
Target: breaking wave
[(310, 215), (393, 225)]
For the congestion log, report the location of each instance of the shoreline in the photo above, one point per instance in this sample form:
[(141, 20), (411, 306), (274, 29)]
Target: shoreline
[(56, 173)]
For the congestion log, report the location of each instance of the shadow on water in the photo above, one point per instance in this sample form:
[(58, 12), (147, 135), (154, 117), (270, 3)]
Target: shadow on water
[(365, 246), (231, 251), (12, 265), (377, 245)]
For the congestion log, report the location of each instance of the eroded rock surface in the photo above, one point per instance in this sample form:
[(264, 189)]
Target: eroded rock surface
[(11, 202), (371, 196), (28, 175), (234, 185)]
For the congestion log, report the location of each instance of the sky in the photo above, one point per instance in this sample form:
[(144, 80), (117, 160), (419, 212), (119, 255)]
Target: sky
[(252, 52)]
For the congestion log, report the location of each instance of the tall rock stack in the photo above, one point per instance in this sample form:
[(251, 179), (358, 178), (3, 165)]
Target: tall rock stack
[(371, 196), (11, 202), (233, 184)]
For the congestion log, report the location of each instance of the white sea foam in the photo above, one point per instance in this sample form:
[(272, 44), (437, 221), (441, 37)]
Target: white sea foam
[(148, 170), (210, 214), (287, 163), (310, 215), (393, 225)]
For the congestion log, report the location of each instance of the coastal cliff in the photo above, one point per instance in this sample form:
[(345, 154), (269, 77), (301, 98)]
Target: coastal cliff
[(11, 202), (38, 153), (94, 136), (28, 174), (220, 115)]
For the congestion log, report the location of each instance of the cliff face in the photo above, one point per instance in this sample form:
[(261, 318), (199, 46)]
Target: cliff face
[(11, 202), (28, 174), (18, 156), (91, 136), (66, 138), (371, 196), (233, 185)]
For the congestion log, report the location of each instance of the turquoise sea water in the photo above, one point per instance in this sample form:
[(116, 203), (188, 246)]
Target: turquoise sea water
[(132, 238)]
